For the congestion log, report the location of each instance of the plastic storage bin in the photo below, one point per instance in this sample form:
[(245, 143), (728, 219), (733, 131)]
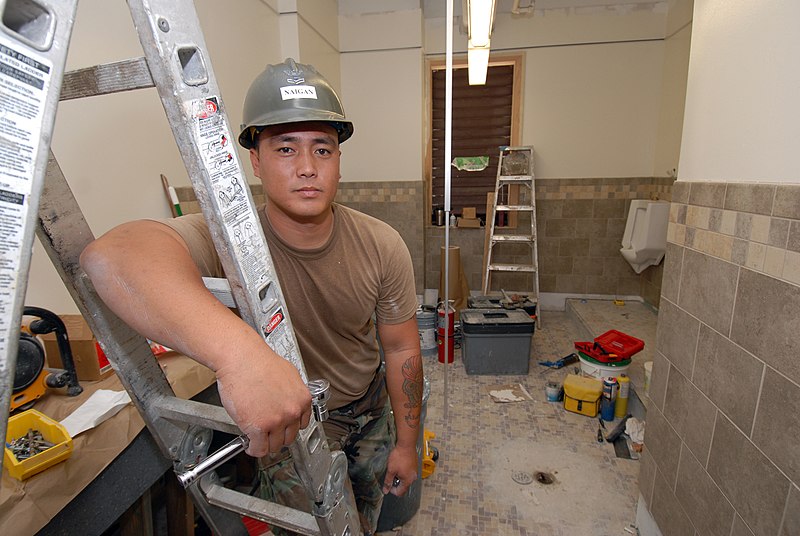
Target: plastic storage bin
[(493, 302), (52, 431), (496, 341)]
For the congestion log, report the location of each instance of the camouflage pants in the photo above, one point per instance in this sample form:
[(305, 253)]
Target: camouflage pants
[(364, 430)]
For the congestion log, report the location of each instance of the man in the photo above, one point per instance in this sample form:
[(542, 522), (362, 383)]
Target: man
[(338, 269)]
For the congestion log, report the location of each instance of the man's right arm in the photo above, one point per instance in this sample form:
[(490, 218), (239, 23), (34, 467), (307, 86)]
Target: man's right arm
[(144, 272)]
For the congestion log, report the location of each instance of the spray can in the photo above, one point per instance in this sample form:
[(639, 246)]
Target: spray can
[(610, 386), (621, 407)]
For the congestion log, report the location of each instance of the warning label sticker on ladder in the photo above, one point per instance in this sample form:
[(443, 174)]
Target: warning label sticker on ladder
[(220, 161), (24, 81)]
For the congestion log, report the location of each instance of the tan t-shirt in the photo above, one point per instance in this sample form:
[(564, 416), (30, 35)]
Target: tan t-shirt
[(332, 292)]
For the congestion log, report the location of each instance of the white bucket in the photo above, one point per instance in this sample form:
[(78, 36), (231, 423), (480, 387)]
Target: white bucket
[(426, 324), (597, 370)]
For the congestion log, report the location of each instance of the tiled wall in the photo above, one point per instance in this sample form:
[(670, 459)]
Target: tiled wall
[(721, 445), (580, 223)]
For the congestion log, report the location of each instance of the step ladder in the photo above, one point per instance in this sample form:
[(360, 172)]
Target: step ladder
[(35, 196), (512, 252)]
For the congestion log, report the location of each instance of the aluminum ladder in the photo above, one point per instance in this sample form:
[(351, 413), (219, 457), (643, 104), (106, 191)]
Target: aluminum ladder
[(35, 196), (504, 253)]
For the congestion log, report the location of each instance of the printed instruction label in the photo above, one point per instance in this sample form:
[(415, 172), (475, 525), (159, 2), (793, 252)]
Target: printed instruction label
[(219, 158), (24, 82)]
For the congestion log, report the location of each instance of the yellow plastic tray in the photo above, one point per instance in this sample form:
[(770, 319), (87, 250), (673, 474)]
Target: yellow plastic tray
[(52, 431)]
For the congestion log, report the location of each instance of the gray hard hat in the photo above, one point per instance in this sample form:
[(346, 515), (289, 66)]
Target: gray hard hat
[(291, 92)]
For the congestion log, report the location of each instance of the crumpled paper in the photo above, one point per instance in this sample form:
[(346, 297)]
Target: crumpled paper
[(635, 430), (102, 405)]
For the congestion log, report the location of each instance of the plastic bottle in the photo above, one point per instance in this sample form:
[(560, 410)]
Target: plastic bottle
[(452, 220)]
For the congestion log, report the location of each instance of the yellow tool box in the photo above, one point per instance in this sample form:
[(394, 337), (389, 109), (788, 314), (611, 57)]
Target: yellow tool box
[(582, 395)]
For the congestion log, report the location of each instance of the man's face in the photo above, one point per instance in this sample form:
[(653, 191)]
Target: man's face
[(298, 164)]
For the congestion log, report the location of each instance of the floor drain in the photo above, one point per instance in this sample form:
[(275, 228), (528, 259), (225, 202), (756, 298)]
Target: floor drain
[(544, 478), (521, 477)]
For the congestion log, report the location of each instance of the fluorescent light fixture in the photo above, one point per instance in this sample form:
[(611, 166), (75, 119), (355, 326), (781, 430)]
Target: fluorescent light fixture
[(480, 20), (478, 63)]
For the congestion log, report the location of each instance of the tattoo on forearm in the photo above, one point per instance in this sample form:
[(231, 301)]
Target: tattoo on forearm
[(412, 387)]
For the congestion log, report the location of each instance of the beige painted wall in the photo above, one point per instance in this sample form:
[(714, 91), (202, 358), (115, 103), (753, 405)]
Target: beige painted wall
[(112, 149), (592, 88), (382, 90), (742, 109)]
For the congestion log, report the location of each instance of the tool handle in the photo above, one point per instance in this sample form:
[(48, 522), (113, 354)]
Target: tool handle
[(213, 461)]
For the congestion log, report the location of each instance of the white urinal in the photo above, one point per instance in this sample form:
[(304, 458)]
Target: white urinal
[(645, 240)]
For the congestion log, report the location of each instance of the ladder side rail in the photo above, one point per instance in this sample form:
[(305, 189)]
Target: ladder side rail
[(64, 233), (33, 50), (174, 47), (487, 276)]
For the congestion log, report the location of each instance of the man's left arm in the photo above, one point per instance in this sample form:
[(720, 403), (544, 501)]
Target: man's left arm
[(404, 380)]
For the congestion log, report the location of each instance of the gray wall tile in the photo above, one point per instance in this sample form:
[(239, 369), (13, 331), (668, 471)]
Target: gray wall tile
[(668, 512), (787, 201), (706, 506), (777, 429), (680, 191), (690, 413), (610, 208), (707, 194), (751, 482), (778, 232), (676, 336), (745, 197), (766, 322), (793, 242), (577, 208), (708, 287), (647, 475), (791, 521), (663, 442), (559, 227), (728, 375), (670, 283), (659, 379), (740, 528), (592, 227)]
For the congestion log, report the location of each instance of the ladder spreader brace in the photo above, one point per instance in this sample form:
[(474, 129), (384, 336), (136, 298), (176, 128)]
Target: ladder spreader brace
[(178, 65)]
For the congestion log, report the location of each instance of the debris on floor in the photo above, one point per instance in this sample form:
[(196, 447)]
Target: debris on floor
[(510, 392)]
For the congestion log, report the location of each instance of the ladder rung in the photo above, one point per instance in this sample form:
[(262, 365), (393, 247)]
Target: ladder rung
[(513, 208), (108, 78), (515, 178), (512, 268), (513, 238)]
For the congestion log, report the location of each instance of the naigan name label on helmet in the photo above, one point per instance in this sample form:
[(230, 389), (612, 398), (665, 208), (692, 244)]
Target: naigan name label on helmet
[(298, 92)]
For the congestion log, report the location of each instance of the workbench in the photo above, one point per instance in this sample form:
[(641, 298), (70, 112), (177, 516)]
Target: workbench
[(111, 465)]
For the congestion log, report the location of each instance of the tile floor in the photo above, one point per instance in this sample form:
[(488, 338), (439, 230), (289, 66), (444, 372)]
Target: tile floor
[(486, 447)]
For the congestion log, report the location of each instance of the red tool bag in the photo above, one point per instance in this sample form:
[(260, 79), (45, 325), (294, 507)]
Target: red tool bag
[(611, 347)]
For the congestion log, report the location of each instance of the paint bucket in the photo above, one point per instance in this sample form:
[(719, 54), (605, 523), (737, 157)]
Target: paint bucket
[(552, 391), (621, 406), (426, 325)]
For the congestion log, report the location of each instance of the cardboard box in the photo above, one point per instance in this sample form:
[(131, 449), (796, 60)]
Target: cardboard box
[(468, 213), (582, 395), (472, 223), (91, 364)]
